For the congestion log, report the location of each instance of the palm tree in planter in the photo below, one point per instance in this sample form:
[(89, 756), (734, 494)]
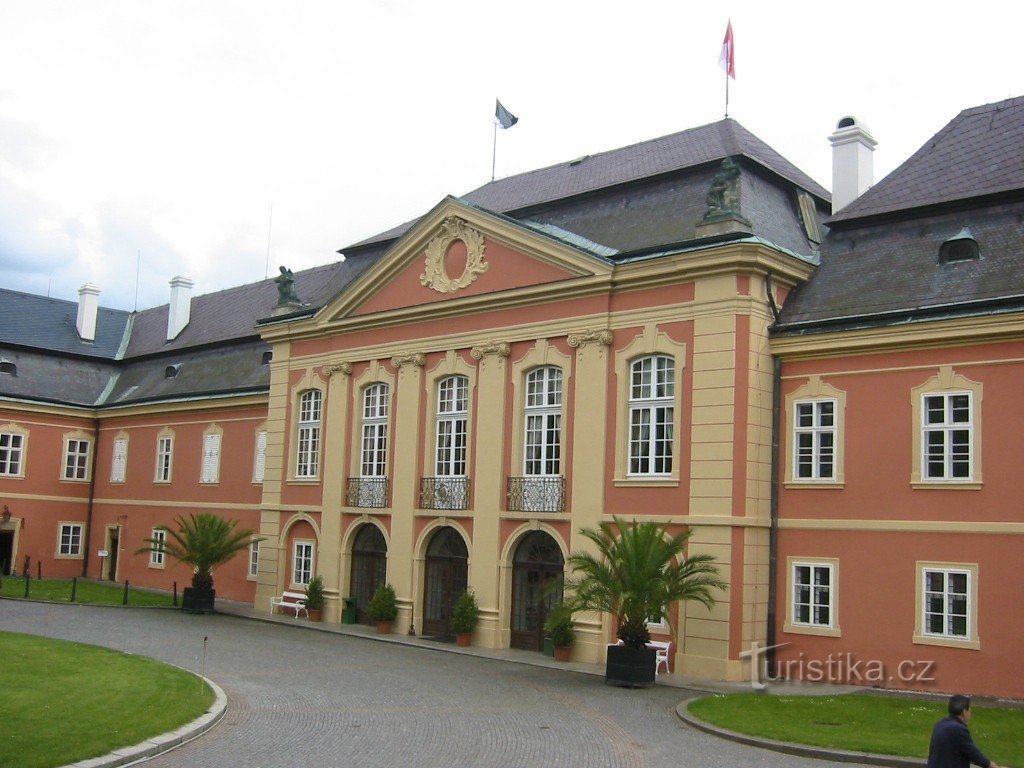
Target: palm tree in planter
[(636, 574), (202, 542), (465, 616), (315, 598), (383, 608)]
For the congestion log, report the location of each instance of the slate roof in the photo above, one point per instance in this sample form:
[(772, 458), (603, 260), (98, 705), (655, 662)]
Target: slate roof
[(692, 148), (978, 153), (40, 322)]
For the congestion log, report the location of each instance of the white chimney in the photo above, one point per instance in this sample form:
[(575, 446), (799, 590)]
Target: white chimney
[(181, 305), (852, 168), (88, 306)]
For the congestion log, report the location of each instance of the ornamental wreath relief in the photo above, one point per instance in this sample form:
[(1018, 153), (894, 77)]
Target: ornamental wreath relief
[(436, 275)]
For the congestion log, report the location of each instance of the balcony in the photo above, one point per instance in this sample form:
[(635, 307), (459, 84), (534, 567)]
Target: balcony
[(536, 494), (367, 492), (444, 493)]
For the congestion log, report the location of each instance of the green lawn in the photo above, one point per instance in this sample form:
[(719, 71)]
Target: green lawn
[(59, 590), (63, 702), (881, 724)]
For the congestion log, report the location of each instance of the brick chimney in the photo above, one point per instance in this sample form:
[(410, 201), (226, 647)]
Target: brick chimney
[(852, 167), (88, 307), (181, 306)]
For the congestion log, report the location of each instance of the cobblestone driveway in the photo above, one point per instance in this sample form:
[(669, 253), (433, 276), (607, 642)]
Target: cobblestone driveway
[(297, 697)]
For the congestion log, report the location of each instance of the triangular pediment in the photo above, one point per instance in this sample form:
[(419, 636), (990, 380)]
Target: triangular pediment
[(458, 253)]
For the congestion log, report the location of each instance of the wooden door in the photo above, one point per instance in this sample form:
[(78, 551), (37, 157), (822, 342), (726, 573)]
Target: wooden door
[(446, 577), (537, 563)]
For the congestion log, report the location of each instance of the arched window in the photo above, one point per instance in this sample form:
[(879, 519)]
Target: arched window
[(542, 452), (374, 454), (452, 415), (307, 463), (651, 414)]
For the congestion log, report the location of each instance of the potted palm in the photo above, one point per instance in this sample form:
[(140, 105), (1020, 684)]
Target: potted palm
[(383, 608), (315, 598), (638, 571), (203, 542), (562, 630), (465, 616)]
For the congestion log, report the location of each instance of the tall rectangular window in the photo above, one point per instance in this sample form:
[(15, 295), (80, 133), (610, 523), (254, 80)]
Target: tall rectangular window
[(302, 562), (947, 433), (254, 559), (542, 452), (814, 443), (156, 555), (70, 543), (651, 414), (119, 460), (76, 460), (211, 458), (259, 464), (452, 415), (813, 594), (164, 456), (374, 453), (947, 608), (10, 453), (308, 455)]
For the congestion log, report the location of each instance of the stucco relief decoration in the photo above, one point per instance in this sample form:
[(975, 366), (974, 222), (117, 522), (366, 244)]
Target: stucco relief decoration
[(409, 358), (496, 348), (590, 336), (343, 368), (436, 274)]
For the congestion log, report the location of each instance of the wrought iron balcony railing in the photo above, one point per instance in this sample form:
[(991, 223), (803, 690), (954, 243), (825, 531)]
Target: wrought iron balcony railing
[(367, 492), (444, 493), (536, 494)]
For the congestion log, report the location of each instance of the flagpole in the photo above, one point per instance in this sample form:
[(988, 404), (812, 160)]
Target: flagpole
[(494, 152), (727, 94)]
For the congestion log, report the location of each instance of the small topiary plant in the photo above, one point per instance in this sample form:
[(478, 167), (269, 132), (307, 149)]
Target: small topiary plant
[(315, 594), (466, 613), (383, 605)]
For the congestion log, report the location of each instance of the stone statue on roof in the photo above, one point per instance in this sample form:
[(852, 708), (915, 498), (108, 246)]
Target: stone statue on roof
[(286, 288), (724, 195)]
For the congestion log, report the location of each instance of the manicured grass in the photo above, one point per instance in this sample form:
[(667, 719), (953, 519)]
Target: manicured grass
[(881, 724), (63, 702), (59, 590)]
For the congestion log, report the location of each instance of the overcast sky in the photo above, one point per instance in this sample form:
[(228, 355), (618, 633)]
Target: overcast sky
[(169, 132)]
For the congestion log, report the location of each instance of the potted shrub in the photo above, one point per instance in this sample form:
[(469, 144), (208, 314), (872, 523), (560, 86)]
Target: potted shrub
[(315, 598), (203, 542), (638, 571), (383, 608), (562, 630), (465, 616)]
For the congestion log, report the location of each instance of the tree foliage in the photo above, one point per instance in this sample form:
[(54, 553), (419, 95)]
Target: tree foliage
[(202, 542)]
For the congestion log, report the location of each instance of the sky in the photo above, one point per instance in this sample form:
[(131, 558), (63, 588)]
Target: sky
[(219, 140)]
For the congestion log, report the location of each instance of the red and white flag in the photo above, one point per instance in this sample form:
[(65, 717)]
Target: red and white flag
[(727, 60)]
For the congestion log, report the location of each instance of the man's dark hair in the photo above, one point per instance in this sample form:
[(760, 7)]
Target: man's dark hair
[(958, 704)]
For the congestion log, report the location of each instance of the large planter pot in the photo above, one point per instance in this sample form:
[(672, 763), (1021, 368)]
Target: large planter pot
[(463, 639), (562, 652), (630, 667), (194, 600), (315, 614), (383, 627)]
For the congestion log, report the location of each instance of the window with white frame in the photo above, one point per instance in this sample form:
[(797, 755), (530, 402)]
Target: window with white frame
[(259, 464), (164, 457), (452, 416), (254, 558), (947, 437), (542, 451), (119, 460), (813, 594), (76, 459), (70, 542), (211, 458), (11, 448), (814, 439), (374, 453), (156, 552), (302, 562), (307, 462), (651, 414), (946, 612)]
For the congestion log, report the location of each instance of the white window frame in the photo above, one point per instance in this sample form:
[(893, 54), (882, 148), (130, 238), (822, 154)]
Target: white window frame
[(70, 540), (945, 430), (542, 422), (651, 409), (813, 595), (259, 462), (157, 556), (307, 454), (76, 459), (947, 597), (373, 451), (302, 562), (210, 467), (821, 429), (164, 458), (451, 427), (12, 453), (119, 460), (254, 559)]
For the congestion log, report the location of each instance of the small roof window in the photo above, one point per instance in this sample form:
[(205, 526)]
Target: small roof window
[(961, 247), (172, 370), (267, 357), (6, 366)]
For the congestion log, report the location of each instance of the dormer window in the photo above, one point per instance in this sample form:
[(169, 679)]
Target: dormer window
[(267, 357), (6, 366), (172, 370), (960, 247)]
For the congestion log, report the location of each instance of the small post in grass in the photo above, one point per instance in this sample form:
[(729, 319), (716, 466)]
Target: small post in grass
[(39, 569), (175, 594), (28, 578), (202, 677), (125, 600), (74, 588)]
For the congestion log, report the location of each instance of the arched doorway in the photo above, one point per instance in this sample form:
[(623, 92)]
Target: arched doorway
[(369, 567), (445, 579), (537, 561)]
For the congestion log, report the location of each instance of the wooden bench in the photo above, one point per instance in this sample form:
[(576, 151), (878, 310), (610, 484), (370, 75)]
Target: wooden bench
[(290, 601)]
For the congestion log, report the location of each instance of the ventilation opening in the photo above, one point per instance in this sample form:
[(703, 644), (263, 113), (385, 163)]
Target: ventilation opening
[(267, 357), (846, 122), (171, 371), (6, 366), (961, 247)]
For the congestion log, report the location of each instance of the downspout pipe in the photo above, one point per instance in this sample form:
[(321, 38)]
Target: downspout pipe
[(92, 495), (773, 531)]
